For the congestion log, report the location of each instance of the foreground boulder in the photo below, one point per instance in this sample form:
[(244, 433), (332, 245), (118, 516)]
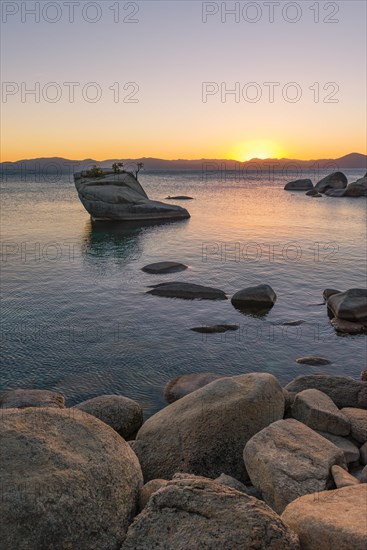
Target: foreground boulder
[(194, 512), (187, 291), (187, 383), (330, 519), (120, 197), (299, 185), (358, 423), (68, 481), (357, 188), (315, 409), (287, 460), (255, 299), (350, 305), (164, 267), (344, 391), (124, 415), (20, 399), (204, 433), (337, 180)]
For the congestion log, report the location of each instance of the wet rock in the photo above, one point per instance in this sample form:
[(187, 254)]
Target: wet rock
[(124, 415), (329, 292), (180, 198), (287, 460), (348, 327), (344, 391), (213, 329), (254, 299), (350, 305), (204, 432), (187, 383), (68, 481), (187, 291), (164, 267), (22, 399), (330, 519), (315, 409), (337, 180), (299, 185), (342, 477), (194, 512), (313, 360), (358, 423)]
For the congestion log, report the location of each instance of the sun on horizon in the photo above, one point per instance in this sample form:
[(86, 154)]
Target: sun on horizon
[(260, 149)]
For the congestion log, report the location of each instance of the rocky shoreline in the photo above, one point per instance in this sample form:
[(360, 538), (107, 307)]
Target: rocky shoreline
[(333, 185), (231, 462)]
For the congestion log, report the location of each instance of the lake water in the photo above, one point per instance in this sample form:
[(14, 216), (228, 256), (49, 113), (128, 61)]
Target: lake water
[(76, 316)]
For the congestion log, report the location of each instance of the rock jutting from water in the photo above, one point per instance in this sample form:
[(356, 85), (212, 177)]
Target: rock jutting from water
[(159, 268), (214, 329), (180, 198), (113, 196), (336, 180), (299, 185), (257, 299), (187, 291)]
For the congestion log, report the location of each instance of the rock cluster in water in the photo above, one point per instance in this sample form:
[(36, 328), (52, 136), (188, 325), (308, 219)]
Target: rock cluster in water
[(239, 462), (333, 185)]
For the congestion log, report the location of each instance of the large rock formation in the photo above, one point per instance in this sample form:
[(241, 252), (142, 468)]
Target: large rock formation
[(124, 415), (198, 513), (344, 391), (121, 197), (287, 460), (357, 188), (68, 481), (337, 180), (330, 519), (204, 433)]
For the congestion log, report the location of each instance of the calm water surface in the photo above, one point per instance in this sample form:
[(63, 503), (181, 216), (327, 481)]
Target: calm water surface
[(75, 316)]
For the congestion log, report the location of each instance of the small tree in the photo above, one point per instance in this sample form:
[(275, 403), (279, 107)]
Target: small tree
[(115, 168), (140, 167), (94, 172)]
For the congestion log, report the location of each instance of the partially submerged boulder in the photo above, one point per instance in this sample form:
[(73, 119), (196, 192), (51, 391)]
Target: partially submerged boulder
[(357, 188), (330, 519), (68, 481), (256, 299), (204, 432), (215, 329), (21, 399), (194, 512), (299, 185), (124, 415), (164, 267), (313, 360), (287, 459), (336, 180), (187, 383), (315, 409), (344, 391), (187, 291), (120, 197), (350, 305), (343, 327)]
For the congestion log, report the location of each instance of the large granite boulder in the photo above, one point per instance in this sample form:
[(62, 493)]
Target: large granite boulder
[(358, 423), (21, 399), (187, 383), (287, 460), (330, 519), (124, 415), (187, 291), (198, 513), (121, 197), (299, 185), (342, 478), (349, 448), (315, 409), (344, 391), (337, 180), (68, 481), (255, 299), (350, 305), (204, 432), (357, 188)]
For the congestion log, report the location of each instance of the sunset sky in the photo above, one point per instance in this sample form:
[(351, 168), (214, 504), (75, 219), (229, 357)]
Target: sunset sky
[(170, 53)]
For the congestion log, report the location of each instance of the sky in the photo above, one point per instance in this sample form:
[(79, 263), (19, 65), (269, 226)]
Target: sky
[(116, 79)]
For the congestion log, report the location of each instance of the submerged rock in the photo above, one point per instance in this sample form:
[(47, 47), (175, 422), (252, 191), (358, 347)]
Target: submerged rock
[(164, 267), (287, 460), (197, 513), (213, 329), (313, 360), (187, 383), (256, 299), (187, 291), (350, 305), (120, 197), (124, 415), (180, 198), (21, 399), (336, 180), (330, 519), (299, 185), (68, 481), (204, 432)]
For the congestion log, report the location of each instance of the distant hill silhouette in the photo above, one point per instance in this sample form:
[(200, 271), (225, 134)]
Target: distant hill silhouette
[(58, 165)]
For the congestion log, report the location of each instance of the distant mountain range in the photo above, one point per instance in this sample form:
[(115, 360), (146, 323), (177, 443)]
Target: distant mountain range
[(57, 165)]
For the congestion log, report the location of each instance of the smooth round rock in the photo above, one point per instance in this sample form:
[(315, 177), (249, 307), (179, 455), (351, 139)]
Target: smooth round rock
[(254, 299), (350, 305), (336, 180), (124, 415), (68, 481), (164, 267)]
